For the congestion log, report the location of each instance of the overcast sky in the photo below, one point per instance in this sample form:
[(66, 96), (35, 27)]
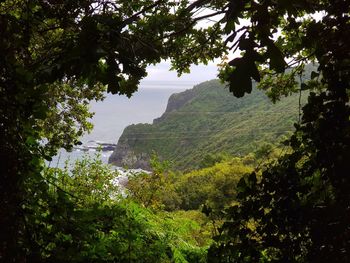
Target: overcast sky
[(200, 73)]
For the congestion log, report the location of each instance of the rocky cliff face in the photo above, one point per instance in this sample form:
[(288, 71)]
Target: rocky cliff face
[(175, 102), (124, 156)]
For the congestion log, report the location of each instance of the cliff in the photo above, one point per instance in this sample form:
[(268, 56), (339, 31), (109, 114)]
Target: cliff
[(206, 119), (176, 101), (124, 155)]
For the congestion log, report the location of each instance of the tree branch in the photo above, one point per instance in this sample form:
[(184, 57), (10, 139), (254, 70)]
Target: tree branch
[(135, 16), (209, 15), (195, 4)]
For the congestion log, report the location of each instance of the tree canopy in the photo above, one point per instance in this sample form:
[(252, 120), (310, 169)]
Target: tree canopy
[(299, 207), (57, 55)]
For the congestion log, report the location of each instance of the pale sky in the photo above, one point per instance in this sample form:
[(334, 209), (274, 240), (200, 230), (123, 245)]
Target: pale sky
[(200, 73)]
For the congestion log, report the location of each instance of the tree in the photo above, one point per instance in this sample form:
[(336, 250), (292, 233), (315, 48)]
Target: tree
[(299, 209), (150, 189), (55, 57), (84, 218), (54, 48)]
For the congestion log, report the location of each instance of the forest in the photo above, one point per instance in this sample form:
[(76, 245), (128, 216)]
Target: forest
[(286, 201), (204, 120)]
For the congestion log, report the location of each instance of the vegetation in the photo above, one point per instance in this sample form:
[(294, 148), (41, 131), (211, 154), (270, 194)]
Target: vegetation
[(58, 55), (80, 213), (85, 217), (297, 210), (208, 120)]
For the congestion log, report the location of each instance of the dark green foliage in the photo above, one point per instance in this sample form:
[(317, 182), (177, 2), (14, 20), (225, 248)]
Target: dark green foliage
[(298, 211), (213, 186), (57, 55), (81, 216), (212, 159), (298, 206)]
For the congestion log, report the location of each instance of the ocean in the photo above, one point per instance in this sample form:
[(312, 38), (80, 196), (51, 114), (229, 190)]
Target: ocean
[(116, 112)]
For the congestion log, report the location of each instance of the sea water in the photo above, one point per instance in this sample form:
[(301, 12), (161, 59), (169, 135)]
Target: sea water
[(116, 112)]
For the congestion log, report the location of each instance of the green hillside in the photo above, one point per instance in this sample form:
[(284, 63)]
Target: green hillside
[(206, 119)]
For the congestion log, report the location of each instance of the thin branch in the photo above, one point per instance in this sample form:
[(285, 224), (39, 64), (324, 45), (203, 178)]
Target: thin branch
[(199, 48), (177, 32), (209, 15), (236, 45), (135, 17), (299, 120), (191, 24), (195, 4), (49, 29), (237, 31), (297, 61), (59, 188)]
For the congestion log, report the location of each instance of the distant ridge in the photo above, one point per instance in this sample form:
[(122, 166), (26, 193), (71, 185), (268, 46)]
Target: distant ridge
[(206, 119)]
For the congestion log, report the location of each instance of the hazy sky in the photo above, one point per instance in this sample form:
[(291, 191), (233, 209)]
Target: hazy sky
[(200, 73)]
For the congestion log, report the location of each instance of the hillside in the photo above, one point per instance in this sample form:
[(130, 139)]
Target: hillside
[(206, 119)]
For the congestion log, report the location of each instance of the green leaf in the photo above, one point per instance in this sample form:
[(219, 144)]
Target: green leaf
[(304, 86), (206, 210), (254, 72), (277, 62), (252, 178), (240, 83), (240, 78), (242, 185), (230, 26), (314, 74), (247, 44), (113, 87)]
